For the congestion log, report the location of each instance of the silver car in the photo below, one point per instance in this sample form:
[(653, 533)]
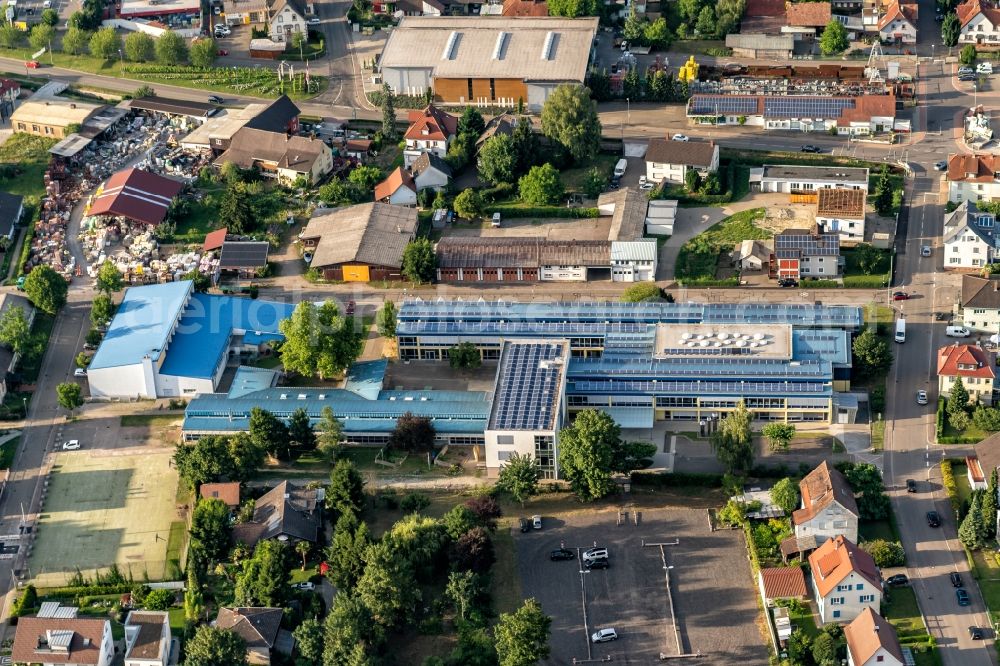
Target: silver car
[(604, 635)]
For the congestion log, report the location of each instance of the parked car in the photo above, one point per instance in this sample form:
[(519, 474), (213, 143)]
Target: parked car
[(965, 69), (900, 296), (71, 445), (925, 250), (215, 99), (911, 486), (933, 519), (32, 64), (525, 525), (604, 635), (313, 21), (984, 68), (941, 165), (897, 580), (223, 52), (921, 397), (645, 187), (536, 521), (304, 586), (679, 137), (562, 554), (596, 564), (955, 578), (349, 308), (938, 17), (787, 282), (809, 148), (957, 332), (941, 316), (595, 554), (496, 220), (962, 596), (975, 633), (79, 372)]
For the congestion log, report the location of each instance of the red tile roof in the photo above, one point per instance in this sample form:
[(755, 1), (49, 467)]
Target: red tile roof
[(835, 560), (395, 180), (227, 492), (525, 8), (809, 14), (868, 107), (973, 8), (765, 8), (431, 124), (33, 635), (783, 582), (898, 11), (974, 362), (214, 239), (867, 633), (137, 195), (820, 488), (972, 168)]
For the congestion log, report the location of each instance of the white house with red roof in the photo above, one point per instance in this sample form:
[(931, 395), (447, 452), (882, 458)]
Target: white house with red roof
[(980, 23), (845, 579), (899, 23), (872, 641), (431, 131), (974, 365), (973, 177)]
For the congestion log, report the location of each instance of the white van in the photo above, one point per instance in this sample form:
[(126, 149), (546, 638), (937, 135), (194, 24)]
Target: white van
[(620, 168), (957, 332), (900, 330)]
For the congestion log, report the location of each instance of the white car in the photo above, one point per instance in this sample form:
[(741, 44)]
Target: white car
[(679, 137), (925, 250), (536, 522), (47, 4), (313, 21), (304, 586), (71, 445), (496, 220), (921, 397), (79, 372), (604, 635), (984, 68)]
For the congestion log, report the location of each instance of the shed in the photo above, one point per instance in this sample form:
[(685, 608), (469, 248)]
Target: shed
[(244, 257), (777, 583), (359, 243), (138, 195)]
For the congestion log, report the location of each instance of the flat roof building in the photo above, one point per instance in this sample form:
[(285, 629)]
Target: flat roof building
[(51, 116)]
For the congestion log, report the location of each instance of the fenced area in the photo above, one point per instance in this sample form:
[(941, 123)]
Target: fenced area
[(101, 510)]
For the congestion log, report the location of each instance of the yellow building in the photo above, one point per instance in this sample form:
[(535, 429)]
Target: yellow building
[(52, 116)]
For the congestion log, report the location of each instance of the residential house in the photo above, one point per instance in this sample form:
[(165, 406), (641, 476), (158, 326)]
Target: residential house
[(431, 131), (359, 243), (800, 253), (228, 492), (11, 209), (794, 179), (760, 46), (430, 171), (973, 177), (62, 641), (669, 161), (806, 19), (980, 23), (260, 628), (531, 8), (286, 512), (502, 124), (280, 156), (980, 303), (969, 237), (899, 23), (846, 115), (286, 18), (974, 366), (828, 506), (398, 189), (841, 211), (751, 255), (872, 641), (55, 117), (780, 583), (845, 580), (147, 639)]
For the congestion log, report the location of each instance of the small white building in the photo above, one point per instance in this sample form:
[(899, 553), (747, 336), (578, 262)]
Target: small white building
[(841, 211), (980, 23), (828, 506), (872, 641), (660, 216), (844, 115), (525, 417), (795, 179), (668, 161), (751, 255), (973, 177), (969, 237), (147, 639), (398, 189), (899, 23), (430, 171), (845, 579), (633, 261), (980, 303), (287, 18)]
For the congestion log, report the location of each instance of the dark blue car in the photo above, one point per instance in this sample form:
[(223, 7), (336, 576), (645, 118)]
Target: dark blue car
[(963, 597)]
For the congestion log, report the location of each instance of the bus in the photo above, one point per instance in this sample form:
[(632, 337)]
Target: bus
[(900, 330)]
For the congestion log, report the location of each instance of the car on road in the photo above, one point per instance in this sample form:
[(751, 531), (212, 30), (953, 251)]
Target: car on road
[(933, 519), (925, 250), (596, 564), (604, 635), (897, 580), (900, 296), (223, 52), (921, 397), (939, 17), (71, 445), (984, 68), (525, 525), (304, 586), (975, 633), (313, 21), (595, 554), (215, 99), (562, 554), (962, 596), (941, 165), (941, 316), (496, 220), (911, 486), (79, 372), (679, 137), (536, 521), (809, 148), (787, 282), (955, 578), (349, 308)]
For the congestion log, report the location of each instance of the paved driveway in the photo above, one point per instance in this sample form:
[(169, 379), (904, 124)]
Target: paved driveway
[(689, 223)]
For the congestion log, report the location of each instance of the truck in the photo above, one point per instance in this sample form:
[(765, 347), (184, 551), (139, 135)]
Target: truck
[(900, 330)]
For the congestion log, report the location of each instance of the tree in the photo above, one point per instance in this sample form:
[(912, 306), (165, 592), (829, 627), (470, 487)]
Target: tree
[(968, 55), (264, 579), (303, 548), (469, 204), (657, 34), (170, 49), (958, 396), (309, 640), (203, 51), (541, 186), (41, 36), (420, 261), (388, 113), (109, 279), (475, 647), (569, 117), (159, 600), (105, 43), (594, 183), (785, 494), (732, 442), (269, 433), (824, 650), (329, 434), (497, 160), (629, 456), (972, 532), (885, 553), (74, 42), (215, 647), (871, 353), (366, 177), (50, 17), (779, 435), (525, 144), (486, 510), (959, 420), (69, 395), (386, 587), (458, 520), (522, 637), (15, 331), (951, 29), (346, 492), (10, 37), (412, 433), (518, 477), (202, 282), (385, 320), (573, 8), (300, 431), (348, 625), (46, 289), (471, 122), (464, 356), (194, 600), (139, 47), (210, 529), (236, 210), (346, 552), (473, 551), (635, 28), (990, 506), (705, 25), (692, 180), (834, 38), (866, 481), (318, 340), (883, 192), (462, 589), (642, 291), (869, 258), (586, 449), (102, 309)]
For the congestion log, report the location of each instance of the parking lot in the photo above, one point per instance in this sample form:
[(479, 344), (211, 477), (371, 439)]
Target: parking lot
[(710, 584)]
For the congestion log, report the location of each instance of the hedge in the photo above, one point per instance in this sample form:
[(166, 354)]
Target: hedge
[(948, 481), (543, 211), (939, 420), (29, 235), (866, 281), (87, 590), (709, 282)]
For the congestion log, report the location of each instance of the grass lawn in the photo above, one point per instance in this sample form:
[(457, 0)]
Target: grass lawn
[(297, 575), (7, 451), (364, 460), (175, 548), (140, 420), (869, 530), (971, 432), (904, 613), (574, 179), (700, 255), (176, 617), (801, 616), (270, 362), (961, 474), (204, 217), (505, 583), (31, 362), (854, 276), (878, 435), (30, 154)]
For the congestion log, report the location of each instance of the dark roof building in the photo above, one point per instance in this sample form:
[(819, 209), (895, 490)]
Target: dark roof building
[(360, 243), (288, 511), (700, 154), (147, 637), (171, 107), (260, 628), (502, 124), (278, 155), (138, 195), (980, 293), (244, 256), (11, 209), (280, 116)]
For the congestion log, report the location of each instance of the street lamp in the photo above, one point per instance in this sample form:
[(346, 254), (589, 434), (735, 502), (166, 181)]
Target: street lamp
[(121, 58)]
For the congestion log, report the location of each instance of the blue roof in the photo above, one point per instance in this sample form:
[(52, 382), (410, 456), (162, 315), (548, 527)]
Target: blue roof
[(202, 336), (248, 380), (142, 324), (703, 368), (818, 344), (365, 378)]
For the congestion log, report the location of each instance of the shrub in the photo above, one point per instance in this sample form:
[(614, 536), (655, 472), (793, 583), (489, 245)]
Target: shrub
[(543, 211), (415, 502), (959, 420), (948, 481), (677, 479), (876, 400), (885, 553)]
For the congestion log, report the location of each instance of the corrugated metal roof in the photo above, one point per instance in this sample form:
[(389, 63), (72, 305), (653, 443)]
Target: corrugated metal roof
[(644, 250), (142, 324), (372, 233), (520, 252)]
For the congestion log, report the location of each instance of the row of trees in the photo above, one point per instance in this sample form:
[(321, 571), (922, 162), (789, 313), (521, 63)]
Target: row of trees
[(979, 526)]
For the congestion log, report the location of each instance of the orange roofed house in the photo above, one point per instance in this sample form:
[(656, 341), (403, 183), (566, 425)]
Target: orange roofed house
[(398, 189), (980, 23), (974, 365), (828, 506), (431, 131), (807, 19), (973, 178), (899, 23), (872, 641), (845, 579)]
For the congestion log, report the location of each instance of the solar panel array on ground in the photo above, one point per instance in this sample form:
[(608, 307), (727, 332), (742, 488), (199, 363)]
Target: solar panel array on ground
[(806, 107), (527, 395)]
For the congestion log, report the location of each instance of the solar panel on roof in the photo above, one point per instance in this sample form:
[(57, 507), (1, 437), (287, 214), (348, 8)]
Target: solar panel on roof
[(701, 105), (528, 387), (806, 107)]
